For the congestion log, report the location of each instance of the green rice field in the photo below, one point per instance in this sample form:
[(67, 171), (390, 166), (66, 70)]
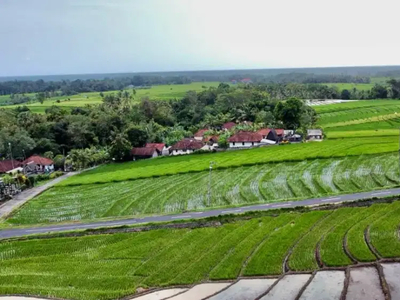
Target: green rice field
[(157, 92), (194, 163), (260, 183), (114, 266)]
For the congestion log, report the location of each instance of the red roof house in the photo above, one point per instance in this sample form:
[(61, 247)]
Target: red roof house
[(158, 146), (37, 163), (245, 139), (186, 146), (200, 134), (144, 152), (8, 165), (38, 160), (228, 125), (280, 132), (264, 132)]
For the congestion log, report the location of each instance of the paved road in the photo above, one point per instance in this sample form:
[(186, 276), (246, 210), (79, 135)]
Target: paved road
[(27, 195), (7, 233)]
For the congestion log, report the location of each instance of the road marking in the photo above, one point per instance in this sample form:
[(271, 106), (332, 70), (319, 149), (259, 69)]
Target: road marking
[(230, 211), (198, 213), (380, 193), (331, 199), (281, 205), (180, 217)]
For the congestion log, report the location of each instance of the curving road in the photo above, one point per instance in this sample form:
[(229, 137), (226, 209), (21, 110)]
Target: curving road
[(8, 233)]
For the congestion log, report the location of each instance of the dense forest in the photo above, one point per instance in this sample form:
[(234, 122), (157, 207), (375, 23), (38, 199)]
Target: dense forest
[(119, 123)]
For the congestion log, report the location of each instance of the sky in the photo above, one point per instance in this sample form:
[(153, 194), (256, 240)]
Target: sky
[(47, 37)]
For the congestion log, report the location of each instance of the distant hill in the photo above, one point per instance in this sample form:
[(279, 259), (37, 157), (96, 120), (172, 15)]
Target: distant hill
[(215, 75)]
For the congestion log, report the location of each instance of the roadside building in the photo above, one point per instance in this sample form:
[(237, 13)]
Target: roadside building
[(315, 135), (186, 146), (264, 132), (245, 139), (38, 164), (144, 153)]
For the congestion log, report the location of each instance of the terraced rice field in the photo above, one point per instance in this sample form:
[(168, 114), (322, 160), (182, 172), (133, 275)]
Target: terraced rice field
[(263, 183), (113, 266), (194, 163), (355, 113)]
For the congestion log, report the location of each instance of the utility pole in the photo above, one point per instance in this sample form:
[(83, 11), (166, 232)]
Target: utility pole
[(209, 183), (12, 160)]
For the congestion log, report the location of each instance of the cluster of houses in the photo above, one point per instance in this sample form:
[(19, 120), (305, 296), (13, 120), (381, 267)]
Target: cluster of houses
[(32, 165), (240, 140)]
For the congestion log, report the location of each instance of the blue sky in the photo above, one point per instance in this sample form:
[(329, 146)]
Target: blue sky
[(43, 37)]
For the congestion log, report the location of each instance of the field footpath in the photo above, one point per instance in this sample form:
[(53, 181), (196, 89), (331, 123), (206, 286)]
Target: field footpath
[(371, 281), (27, 195), (18, 232)]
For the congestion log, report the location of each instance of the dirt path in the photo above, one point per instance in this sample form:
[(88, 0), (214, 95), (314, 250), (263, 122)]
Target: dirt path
[(21, 198)]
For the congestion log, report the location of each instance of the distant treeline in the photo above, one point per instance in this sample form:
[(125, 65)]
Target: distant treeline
[(67, 87)]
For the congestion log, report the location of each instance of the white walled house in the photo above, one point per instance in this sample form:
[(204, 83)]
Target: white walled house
[(199, 135), (315, 135), (245, 139), (185, 146), (144, 153)]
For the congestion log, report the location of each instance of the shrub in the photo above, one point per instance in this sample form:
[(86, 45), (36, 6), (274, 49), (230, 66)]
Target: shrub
[(32, 180)]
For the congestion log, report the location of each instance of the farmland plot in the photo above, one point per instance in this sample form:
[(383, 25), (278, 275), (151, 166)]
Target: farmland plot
[(264, 183), (196, 163), (114, 266)]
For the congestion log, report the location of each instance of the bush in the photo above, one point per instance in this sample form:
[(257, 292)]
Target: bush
[(56, 174), (32, 181), (42, 177)]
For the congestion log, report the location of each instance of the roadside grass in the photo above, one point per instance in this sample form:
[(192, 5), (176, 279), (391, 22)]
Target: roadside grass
[(157, 92), (195, 163), (264, 183), (111, 266)]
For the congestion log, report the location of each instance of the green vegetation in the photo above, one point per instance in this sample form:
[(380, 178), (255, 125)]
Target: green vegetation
[(114, 266), (184, 164), (157, 92), (351, 86), (264, 183)]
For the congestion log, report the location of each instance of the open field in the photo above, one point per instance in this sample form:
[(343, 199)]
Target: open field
[(194, 163), (113, 266), (158, 92), (263, 183), (351, 86)]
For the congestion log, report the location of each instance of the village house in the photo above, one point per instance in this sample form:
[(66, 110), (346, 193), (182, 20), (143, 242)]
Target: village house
[(199, 135), (38, 164), (10, 166), (245, 139), (160, 147), (212, 140), (228, 126), (315, 135), (144, 153), (186, 146)]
